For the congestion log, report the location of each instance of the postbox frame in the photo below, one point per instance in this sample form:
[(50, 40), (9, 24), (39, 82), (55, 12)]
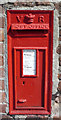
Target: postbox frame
[(47, 104)]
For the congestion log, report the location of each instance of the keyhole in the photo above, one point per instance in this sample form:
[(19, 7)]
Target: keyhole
[(23, 82)]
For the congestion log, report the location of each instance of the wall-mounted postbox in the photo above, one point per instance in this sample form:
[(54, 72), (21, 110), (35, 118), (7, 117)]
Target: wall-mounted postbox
[(30, 48)]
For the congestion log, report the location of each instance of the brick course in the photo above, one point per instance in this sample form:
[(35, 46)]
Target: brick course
[(1, 22), (2, 97), (59, 76), (59, 86), (1, 61), (1, 35), (3, 108), (58, 49), (59, 61), (1, 48), (1, 84), (2, 72), (60, 38)]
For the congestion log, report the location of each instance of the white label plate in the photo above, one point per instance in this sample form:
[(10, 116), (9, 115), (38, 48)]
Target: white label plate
[(29, 62)]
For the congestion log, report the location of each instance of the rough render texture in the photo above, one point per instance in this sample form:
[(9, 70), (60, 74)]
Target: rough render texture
[(30, 4)]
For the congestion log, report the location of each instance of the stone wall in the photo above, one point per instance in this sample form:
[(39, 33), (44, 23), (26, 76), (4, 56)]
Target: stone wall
[(56, 91)]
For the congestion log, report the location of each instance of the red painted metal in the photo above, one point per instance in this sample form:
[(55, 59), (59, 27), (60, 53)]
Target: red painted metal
[(30, 30), (29, 26)]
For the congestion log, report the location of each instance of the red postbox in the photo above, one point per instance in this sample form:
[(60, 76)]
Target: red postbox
[(30, 50)]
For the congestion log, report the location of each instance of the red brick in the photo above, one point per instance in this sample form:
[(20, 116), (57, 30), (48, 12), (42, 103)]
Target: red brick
[(1, 72), (59, 86), (16, 3), (34, 117), (60, 32), (60, 22), (1, 48), (59, 61), (2, 97), (59, 76), (59, 18), (57, 6), (2, 9), (58, 49), (1, 61), (3, 108), (42, 3), (59, 38), (60, 99), (1, 22), (1, 84), (59, 58), (56, 118), (2, 35), (60, 11)]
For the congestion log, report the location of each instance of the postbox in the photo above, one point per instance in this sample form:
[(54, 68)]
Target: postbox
[(30, 51)]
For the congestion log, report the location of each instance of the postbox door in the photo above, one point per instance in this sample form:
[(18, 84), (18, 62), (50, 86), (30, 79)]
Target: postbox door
[(30, 74)]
